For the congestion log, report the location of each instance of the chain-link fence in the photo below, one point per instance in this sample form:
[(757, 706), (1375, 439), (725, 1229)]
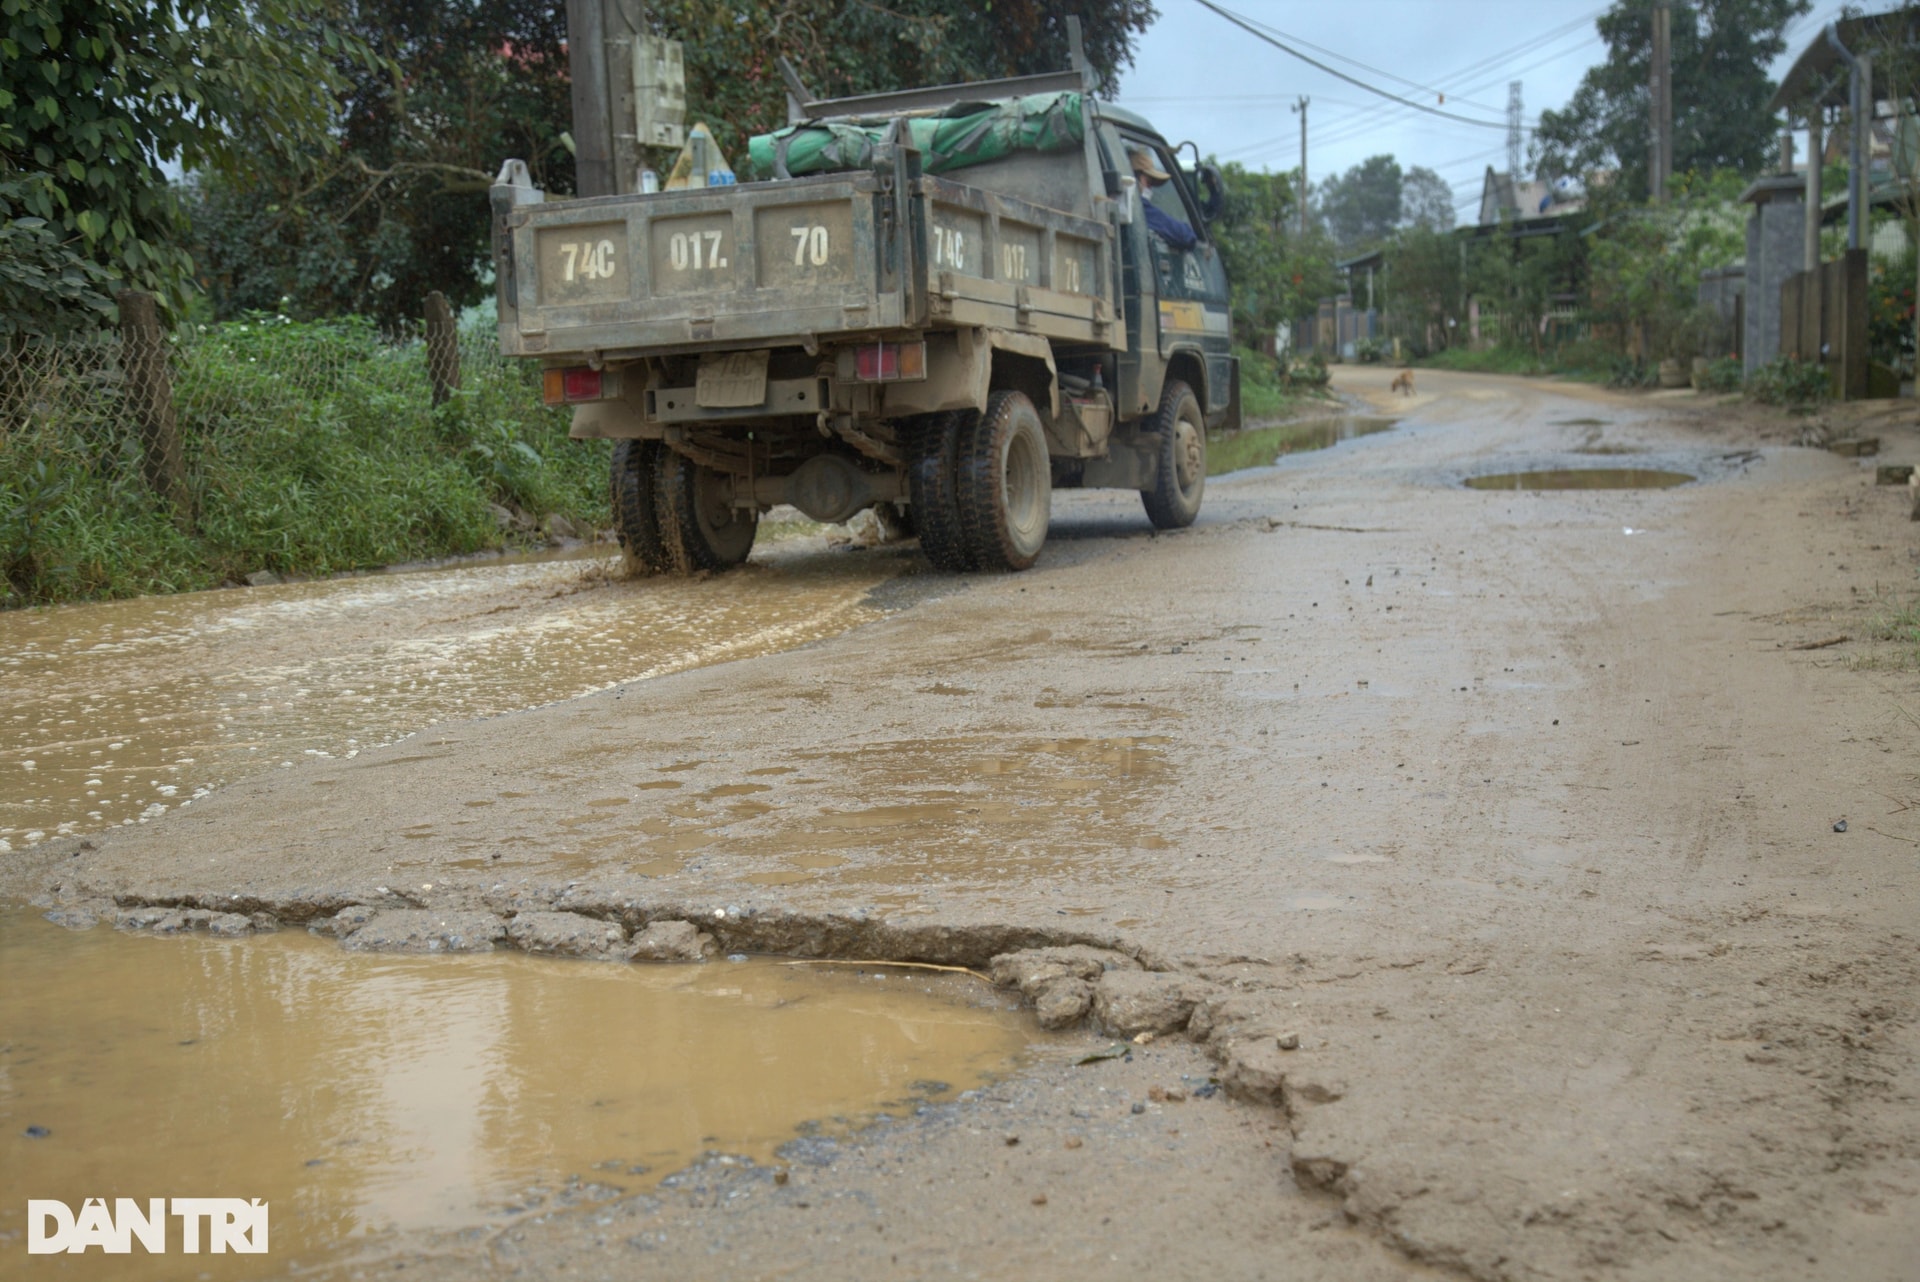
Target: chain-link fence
[(270, 444)]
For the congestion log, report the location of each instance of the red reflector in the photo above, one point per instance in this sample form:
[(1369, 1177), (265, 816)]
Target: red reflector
[(878, 363), (582, 384)]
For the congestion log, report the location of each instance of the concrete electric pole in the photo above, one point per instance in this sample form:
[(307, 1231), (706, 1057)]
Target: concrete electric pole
[(1660, 82), (1301, 107), (629, 91), (592, 114), (1514, 118)]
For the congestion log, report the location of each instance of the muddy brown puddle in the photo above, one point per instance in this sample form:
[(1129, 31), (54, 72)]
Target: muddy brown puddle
[(1582, 478), (362, 1095), (113, 713)]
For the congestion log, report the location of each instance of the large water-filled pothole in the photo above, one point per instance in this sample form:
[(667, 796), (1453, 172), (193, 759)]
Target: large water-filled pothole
[(1265, 446), (362, 1095), (1582, 478)]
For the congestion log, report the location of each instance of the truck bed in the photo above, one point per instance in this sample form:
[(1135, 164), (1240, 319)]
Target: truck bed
[(796, 263)]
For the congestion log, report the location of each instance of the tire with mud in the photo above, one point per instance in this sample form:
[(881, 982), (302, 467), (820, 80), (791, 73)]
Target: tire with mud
[(700, 529), (1180, 480), (933, 443), (1005, 483), (636, 466)]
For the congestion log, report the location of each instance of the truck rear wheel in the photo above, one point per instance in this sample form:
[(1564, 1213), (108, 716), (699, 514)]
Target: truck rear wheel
[(700, 527), (1005, 483), (1180, 480), (636, 466), (932, 486)]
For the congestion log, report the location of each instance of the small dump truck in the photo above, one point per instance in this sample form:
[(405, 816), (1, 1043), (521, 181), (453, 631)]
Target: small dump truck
[(943, 303)]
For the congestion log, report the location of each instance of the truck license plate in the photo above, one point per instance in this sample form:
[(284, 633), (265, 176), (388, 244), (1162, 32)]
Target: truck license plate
[(731, 380)]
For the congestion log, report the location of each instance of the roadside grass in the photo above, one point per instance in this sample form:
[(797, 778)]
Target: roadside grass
[(1273, 389), (1576, 362), (310, 449), (1900, 625)]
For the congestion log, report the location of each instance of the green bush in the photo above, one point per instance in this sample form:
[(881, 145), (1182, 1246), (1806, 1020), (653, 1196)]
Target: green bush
[(1724, 375), (1309, 372), (1788, 382), (310, 449), (1267, 387)]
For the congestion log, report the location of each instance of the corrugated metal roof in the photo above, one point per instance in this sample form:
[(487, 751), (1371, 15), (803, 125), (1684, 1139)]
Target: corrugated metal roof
[(1819, 74)]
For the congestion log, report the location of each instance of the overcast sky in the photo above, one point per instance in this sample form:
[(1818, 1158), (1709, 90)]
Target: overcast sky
[(1199, 77)]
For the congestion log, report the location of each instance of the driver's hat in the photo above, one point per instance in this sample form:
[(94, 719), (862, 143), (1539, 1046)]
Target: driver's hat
[(1144, 166)]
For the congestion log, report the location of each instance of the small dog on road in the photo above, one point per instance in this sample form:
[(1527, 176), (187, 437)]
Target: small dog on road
[(1403, 382)]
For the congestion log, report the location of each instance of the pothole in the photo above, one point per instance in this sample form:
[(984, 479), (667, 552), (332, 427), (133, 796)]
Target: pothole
[(365, 1094), (1264, 446), (1582, 478)]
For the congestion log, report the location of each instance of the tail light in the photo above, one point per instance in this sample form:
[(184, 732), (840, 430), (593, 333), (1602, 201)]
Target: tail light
[(567, 386), (890, 362)]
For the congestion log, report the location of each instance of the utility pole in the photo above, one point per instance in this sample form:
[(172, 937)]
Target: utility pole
[(1816, 157), (1660, 82), (1301, 107), (609, 55), (1514, 112), (592, 113)]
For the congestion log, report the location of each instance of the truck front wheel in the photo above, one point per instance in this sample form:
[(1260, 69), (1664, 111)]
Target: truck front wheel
[(700, 527), (1005, 483), (636, 468), (1180, 480)]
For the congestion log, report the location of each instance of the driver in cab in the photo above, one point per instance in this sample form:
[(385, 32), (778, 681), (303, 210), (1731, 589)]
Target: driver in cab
[(1176, 234)]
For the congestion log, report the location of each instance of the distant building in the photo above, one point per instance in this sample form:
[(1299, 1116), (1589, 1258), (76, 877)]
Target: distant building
[(1504, 199)]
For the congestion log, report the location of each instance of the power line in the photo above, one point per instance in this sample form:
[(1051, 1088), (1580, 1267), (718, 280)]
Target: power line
[(1353, 128), (1355, 62), (1247, 26)]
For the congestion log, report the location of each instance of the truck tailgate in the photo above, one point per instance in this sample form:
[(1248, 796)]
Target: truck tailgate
[(760, 264)]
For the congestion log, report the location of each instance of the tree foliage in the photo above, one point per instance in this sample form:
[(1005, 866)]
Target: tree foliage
[(398, 207), (1426, 201), (1721, 52), (1362, 206), (401, 208), (47, 287), (99, 96), (1253, 234)]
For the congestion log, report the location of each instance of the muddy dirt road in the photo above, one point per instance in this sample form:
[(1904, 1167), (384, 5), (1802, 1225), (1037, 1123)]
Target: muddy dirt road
[(1482, 844)]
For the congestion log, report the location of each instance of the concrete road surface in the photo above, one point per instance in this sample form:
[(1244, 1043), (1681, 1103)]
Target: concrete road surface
[(1482, 844)]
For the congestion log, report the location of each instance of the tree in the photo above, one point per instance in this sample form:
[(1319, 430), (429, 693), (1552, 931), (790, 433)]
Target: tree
[(1252, 235), (98, 96), (1425, 200), (400, 207), (1429, 289), (1362, 206), (1721, 51), (1644, 264)]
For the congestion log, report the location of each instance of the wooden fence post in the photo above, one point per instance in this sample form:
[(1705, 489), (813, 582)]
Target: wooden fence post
[(443, 348), (143, 355)]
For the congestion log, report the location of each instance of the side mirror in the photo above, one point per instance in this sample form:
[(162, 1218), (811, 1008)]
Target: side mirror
[(1213, 193)]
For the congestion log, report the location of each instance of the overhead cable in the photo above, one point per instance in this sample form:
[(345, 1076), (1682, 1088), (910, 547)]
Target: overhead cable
[(1250, 29)]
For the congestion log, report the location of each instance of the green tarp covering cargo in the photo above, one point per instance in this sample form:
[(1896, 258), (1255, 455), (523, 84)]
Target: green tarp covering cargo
[(968, 133)]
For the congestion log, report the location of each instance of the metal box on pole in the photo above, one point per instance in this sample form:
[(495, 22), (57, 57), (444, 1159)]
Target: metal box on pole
[(659, 92)]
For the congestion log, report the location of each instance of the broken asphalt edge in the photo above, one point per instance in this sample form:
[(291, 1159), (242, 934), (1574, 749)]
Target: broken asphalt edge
[(1104, 984)]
